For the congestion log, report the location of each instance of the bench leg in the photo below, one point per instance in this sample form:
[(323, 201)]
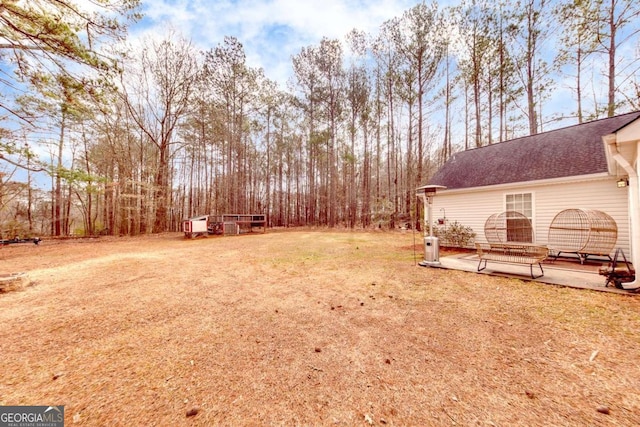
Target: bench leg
[(538, 276), (533, 276)]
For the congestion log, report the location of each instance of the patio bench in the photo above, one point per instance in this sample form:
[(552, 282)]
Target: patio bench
[(512, 253)]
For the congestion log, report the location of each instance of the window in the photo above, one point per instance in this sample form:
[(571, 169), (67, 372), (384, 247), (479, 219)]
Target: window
[(518, 228)]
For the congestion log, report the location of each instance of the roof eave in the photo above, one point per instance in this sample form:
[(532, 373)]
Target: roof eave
[(529, 184)]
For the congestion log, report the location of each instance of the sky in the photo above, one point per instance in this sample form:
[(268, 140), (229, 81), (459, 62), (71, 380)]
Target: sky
[(271, 31)]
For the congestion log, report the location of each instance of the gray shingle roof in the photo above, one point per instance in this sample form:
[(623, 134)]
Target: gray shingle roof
[(571, 151)]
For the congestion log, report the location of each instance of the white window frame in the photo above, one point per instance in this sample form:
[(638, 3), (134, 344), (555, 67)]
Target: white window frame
[(521, 205)]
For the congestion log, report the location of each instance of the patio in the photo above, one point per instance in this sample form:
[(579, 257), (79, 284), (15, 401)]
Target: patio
[(562, 272)]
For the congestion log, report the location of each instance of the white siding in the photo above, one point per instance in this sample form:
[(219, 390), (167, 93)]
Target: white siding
[(472, 208)]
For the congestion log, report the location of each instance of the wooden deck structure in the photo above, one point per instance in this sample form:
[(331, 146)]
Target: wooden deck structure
[(231, 224)]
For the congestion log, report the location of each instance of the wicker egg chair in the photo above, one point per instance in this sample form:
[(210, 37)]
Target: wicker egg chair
[(509, 226), (583, 232)]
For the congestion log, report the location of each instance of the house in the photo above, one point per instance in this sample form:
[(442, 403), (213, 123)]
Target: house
[(588, 166)]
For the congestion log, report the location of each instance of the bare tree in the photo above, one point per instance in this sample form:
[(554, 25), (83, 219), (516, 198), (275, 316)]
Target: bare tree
[(158, 99), (529, 29), (234, 88), (387, 75), (358, 105), (421, 44), (618, 24), (578, 43), (476, 63)]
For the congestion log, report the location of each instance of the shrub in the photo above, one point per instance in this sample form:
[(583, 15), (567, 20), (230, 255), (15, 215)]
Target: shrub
[(454, 235)]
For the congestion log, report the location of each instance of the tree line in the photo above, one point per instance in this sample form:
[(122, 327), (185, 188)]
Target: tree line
[(134, 140)]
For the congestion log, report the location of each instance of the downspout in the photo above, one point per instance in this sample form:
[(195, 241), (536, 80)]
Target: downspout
[(634, 198)]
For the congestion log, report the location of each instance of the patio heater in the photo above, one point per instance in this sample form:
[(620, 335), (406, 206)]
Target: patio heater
[(431, 245)]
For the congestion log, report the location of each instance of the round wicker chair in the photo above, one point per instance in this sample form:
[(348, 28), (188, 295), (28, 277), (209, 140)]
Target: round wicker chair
[(583, 232), (509, 226)]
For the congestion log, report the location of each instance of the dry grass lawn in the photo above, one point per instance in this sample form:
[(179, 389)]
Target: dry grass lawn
[(305, 328)]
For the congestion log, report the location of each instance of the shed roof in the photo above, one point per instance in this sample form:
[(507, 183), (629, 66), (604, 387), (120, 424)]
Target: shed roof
[(567, 152)]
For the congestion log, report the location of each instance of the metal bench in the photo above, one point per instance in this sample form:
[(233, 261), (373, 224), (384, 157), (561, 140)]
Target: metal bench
[(512, 253)]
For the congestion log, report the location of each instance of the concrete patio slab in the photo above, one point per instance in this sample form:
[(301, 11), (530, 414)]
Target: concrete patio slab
[(570, 274)]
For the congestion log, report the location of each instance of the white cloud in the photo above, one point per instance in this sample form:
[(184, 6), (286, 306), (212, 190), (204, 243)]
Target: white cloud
[(270, 30)]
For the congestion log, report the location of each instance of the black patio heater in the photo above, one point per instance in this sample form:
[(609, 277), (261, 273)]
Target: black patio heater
[(431, 245)]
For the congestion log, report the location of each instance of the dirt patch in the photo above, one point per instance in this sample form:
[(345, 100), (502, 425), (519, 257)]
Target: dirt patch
[(305, 328)]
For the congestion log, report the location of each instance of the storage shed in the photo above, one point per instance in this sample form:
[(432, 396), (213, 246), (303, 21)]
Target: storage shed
[(195, 226)]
